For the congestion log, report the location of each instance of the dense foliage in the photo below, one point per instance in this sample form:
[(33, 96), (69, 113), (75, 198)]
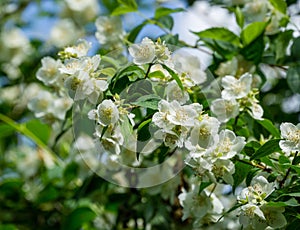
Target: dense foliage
[(108, 124)]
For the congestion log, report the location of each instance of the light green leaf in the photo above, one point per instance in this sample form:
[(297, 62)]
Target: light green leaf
[(166, 22), (6, 130), (252, 31), (126, 6), (268, 148), (163, 11), (239, 17), (279, 5), (291, 202), (41, 130)]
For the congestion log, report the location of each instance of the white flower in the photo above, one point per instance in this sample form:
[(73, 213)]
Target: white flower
[(249, 215), (256, 111), (175, 93), (80, 5), (64, 33), (274, 216), (107, 112), (49, 72), (87, 64), (228, 146), (256, 10), (41, 103), (80, 49), (236, 88), (204, 134), (15, 46), (291, 135), (109, 30), (225, 109), (223, 169), (81, 86), (144, 52), (184, 115), (190, 68), (259, 190)]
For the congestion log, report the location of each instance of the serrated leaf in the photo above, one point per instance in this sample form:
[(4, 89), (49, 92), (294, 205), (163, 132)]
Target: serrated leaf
[(279, 5), (268, 148), (41, 130), (163, 11), (252, 31), (293, 78), (174, 76), (268, 125)]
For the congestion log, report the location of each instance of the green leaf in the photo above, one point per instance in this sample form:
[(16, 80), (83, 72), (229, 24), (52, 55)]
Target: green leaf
[(254, 51), (282, 42), (166, 22), (148, 101), (41, 130), (295, 49), (126, 6), (219, 34), (291, 202), (109, 71), (6, 130), (241, 171), (268, 148), (279, 5), (49, 193), (203, 185), (135, 32), (252, 32), (8, 227), (293, 78), (239, 16), (174, 76), (268, 125), (71, 171), (163, 11), (78, 217)]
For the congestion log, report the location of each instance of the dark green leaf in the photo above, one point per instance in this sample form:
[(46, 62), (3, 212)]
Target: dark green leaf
[(293, 78), (41, 130), (291, 202), (241, 171), (71, 171), (279, 5), (165, 22), (295, 49), (282, 42), (252, 32), (135, 31), (250, 175), (268, 148), (203, 185), (254, 51), (49, 193), (78, 217), (268, 125), (163, 11)]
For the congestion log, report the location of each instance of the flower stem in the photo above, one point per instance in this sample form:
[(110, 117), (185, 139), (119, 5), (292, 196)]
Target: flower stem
[(21, 128)]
